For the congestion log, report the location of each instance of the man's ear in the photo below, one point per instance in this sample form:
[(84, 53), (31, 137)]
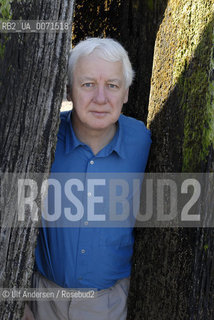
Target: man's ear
[(126, 96), (68, 89)]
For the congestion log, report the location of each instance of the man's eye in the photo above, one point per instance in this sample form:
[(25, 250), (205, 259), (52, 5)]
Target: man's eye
[(112, 86), (88, 85)]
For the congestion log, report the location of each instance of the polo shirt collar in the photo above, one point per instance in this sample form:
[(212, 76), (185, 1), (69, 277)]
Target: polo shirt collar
[(72, 142), (118, 145)]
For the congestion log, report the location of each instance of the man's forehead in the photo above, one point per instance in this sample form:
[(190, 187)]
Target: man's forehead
[(92, 67)]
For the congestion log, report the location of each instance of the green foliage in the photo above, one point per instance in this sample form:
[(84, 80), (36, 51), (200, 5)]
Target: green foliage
[(5, 10), (5, 14)]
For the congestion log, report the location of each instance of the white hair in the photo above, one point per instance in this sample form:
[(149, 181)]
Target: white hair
[(107, 49)]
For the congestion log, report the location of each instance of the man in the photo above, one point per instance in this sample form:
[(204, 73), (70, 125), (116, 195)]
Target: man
[(93, 138)]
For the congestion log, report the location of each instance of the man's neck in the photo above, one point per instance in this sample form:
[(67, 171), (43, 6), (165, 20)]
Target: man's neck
[(95, 139)]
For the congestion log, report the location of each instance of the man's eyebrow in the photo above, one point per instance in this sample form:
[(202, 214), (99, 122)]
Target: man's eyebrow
[(114, 80), (86, 78)]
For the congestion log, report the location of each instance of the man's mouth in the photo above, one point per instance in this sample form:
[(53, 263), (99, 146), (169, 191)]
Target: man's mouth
[(99, 114)]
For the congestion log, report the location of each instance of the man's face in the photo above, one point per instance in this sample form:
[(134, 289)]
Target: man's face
[(98, 92)]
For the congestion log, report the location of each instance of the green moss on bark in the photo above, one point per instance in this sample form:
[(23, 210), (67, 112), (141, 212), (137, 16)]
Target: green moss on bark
[(193, 71), (183, 81)]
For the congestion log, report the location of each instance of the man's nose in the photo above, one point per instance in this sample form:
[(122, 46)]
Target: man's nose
[(100, 95)]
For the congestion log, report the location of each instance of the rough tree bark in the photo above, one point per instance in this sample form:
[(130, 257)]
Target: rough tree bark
[(172, 275), (32, 78), (139, 23)]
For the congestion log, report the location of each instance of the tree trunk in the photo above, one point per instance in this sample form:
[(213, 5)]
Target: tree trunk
[(32, 79), (139, 23), (172, 275)]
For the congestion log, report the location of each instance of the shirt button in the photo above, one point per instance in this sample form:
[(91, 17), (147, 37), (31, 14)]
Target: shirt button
[(86, 223), (91, 162), (83, 251), (89, 194)]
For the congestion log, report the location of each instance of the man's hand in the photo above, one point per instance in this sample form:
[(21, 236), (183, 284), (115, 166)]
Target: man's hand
[(28, 315)]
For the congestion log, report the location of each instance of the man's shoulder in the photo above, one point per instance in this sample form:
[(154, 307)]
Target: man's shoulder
[(136, 142), (132, 126)]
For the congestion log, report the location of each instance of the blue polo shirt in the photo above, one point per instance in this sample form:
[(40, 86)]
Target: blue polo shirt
[(86, 256)]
